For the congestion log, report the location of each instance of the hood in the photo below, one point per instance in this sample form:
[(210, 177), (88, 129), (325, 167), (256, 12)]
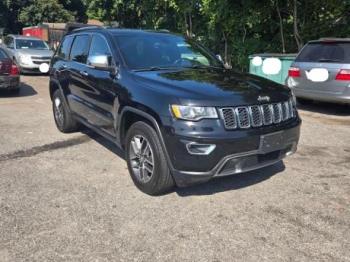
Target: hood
[(35, 52), (216, 87)]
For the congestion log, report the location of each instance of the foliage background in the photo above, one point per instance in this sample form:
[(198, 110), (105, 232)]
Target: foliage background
[(233, 28)]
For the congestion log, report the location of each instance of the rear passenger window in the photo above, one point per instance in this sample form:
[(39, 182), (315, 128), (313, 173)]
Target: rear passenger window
[(63, 51), (80, 48)]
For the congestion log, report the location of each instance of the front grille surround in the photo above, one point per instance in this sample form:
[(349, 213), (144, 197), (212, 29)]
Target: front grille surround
[(243, 117), (256, 116)]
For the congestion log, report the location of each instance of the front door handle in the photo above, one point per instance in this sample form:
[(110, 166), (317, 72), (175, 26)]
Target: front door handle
[(84, 73)]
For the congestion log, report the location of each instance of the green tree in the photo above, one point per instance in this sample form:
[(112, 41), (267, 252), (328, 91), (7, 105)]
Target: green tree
[(77, 8), (44, 11)]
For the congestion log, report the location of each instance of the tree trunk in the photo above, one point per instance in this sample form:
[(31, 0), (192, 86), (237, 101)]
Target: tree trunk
[(295, 26), (281, 27), (186, 25), (226, 60), (190, 23)]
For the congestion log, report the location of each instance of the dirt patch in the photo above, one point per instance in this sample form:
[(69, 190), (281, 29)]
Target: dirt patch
[(45, 148)]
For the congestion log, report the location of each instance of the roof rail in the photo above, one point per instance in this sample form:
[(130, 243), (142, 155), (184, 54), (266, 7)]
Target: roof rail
[(78, 27), (157, 30)]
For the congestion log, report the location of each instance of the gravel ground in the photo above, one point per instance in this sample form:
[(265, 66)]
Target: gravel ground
[(70, 197)]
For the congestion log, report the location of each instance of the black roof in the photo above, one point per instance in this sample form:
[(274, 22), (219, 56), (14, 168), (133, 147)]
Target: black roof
[(117, 31)]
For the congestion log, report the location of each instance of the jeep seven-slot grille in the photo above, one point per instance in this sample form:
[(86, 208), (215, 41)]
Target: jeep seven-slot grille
[(257, 115)]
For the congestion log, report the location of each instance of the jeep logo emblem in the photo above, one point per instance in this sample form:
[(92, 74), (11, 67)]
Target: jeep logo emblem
[(263, 98)]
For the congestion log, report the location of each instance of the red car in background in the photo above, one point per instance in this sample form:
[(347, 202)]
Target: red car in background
[(9, 72)]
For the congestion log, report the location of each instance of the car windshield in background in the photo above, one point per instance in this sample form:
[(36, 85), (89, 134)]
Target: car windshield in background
[(30, 44), (326, 52), (160, 51), (3, 54)]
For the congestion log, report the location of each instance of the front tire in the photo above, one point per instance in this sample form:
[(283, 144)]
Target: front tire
[(146, 160), (64, 120)]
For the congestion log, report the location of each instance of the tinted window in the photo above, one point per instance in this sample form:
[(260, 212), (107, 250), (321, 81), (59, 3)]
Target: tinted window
[(99, 46), (80, 48), (3, 54), (30, 44), (163, 50), (331, 52), (63, 51)]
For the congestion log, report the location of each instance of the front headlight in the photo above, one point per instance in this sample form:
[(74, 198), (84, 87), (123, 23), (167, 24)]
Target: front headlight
[(193, 113), (25, 59)]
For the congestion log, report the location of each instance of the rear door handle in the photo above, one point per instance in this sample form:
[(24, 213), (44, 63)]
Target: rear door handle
[(84, 73)]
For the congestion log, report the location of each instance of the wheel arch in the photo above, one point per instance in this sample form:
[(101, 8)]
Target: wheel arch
[(130, 115), (53, 86)]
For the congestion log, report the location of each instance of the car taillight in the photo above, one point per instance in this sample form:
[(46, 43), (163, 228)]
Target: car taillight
[(343, 75), (294, 72), (14, 70)]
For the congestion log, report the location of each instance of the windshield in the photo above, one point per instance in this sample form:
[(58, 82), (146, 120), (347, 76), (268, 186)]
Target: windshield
[(325, 52), (163, 51), (30, 44)]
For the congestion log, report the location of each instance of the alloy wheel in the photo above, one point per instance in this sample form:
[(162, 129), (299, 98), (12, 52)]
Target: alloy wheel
[(58, 111), (141, 158)]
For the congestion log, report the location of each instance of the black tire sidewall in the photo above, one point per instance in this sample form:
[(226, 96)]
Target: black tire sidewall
[(160, 166), (69, 123), (57, 94)]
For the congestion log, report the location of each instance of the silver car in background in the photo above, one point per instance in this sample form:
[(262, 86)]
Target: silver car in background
[(30, 53), (321, 71)]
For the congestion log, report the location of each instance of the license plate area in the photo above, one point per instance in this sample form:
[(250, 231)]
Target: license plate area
[(276, 141)]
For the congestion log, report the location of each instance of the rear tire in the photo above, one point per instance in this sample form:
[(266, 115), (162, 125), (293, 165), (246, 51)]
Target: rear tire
[(64, 120), (146, 160)]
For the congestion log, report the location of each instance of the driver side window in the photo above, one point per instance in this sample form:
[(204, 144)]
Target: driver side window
[(99, 47)]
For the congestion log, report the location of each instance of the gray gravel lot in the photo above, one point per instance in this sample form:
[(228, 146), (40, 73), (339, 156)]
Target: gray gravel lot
[(70, 197)]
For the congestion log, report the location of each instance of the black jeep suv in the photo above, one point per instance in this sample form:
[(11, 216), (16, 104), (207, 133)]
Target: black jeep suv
[(180, 116)]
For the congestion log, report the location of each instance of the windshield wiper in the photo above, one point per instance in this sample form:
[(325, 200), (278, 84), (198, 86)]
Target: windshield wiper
[(202, 67), (328, 60), (153, 68)]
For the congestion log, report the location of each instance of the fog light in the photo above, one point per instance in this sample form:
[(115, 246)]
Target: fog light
[(199, 149), (292, 150)]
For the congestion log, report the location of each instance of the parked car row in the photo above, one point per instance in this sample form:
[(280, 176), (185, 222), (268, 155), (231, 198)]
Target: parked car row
[(180, 115)]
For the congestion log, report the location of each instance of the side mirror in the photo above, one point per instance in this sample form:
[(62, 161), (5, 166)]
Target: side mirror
[(99, 62), (102, 62)]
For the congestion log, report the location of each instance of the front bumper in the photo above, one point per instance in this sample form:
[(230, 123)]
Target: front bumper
[(9, 82), (33, 66), (244, 151)]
